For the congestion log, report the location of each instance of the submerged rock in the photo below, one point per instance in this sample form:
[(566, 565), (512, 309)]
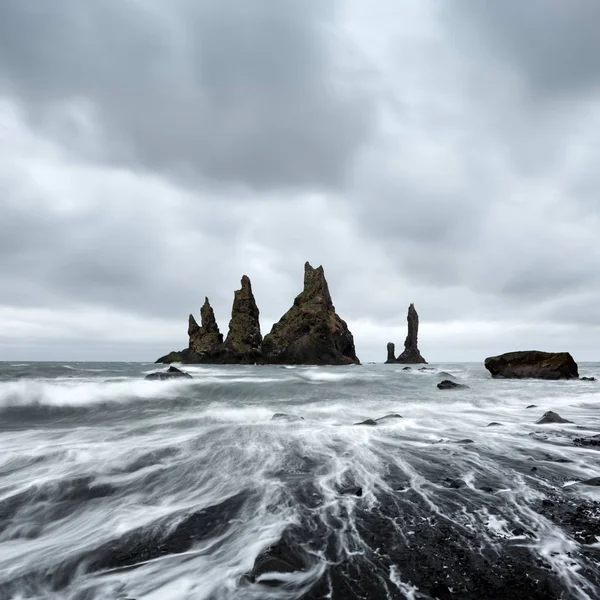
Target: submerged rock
[(494, 424), (311, 332), (391, 353), (588, 378), (390, 417), (593, 481), (286, 417), (171, 373), (592, 441), (370, 422), (465, 441), (450, 385), (533, 364), (407, 369), (532, 406), (552, 417), (411, 352)]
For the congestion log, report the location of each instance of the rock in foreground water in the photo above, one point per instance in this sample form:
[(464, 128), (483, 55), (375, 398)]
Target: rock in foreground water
[(170, 373)]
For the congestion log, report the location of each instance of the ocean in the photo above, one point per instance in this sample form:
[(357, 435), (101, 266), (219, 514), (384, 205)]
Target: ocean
[(113, 487)]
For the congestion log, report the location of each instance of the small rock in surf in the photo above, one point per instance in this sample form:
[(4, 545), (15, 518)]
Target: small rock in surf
[(450, 385), (552, 417), (367, 422), (286, 417), (171, 373), (587, 378), (532, 406), (494, 424)]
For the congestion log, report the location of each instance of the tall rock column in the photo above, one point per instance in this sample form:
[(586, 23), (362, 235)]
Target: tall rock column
[(391, 353), (411, 354), (244, 337)]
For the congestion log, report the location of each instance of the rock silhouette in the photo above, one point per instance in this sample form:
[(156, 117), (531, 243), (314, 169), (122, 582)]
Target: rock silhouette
[(411, 354), (310, 332), (205, 341), (391, 353), (244, 338), (533, 364)]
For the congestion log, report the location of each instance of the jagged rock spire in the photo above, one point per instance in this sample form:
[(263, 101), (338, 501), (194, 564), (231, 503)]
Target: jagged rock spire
[(205, 340), (310, 332), (244, 328), (411, 352)]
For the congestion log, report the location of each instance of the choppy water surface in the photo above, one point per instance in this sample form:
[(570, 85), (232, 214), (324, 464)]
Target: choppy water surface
[(113, 487)]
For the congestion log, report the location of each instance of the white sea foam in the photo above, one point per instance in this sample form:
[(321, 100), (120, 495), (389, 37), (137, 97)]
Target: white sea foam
[(166, 461)]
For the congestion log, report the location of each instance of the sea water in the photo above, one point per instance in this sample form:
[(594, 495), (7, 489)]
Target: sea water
[(114, 487)]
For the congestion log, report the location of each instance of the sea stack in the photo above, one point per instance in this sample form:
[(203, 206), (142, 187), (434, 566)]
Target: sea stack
[(310, 332), (205, 341), (391, 353), (533, 364), (244, 338), (411, 354)]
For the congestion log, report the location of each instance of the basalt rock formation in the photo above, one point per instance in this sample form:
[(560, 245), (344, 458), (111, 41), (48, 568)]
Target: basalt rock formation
[(207, 340), (533, 364), (310, 332), (244, 338), (411, 354), (391, 353)]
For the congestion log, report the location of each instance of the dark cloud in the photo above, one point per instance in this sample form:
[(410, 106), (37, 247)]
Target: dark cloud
[(152, 153), (247, 93), (553, 43)]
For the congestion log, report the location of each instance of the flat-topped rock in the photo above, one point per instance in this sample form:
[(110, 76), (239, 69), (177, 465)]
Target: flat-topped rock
[(532, 364)]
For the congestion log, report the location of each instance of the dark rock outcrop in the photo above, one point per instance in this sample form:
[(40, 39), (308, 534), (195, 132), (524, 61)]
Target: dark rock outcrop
[(533, 364), (244, 338), (411, 354), (450, 385), (588, 379), (311, 332), (286, 417), (170, 373), (206, 341), (391, 353), (552, 417), (370, 422)]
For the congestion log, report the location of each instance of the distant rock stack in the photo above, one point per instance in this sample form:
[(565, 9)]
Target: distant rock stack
[(310, 332), (205, 341), (411, 354), (391, 353), (244, 338)]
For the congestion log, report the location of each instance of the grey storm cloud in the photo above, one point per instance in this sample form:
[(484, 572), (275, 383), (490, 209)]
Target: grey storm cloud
[(235, 91), (555, 44), (438, 153)]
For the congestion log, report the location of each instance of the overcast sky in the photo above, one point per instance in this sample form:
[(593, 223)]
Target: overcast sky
[(437, 152)]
